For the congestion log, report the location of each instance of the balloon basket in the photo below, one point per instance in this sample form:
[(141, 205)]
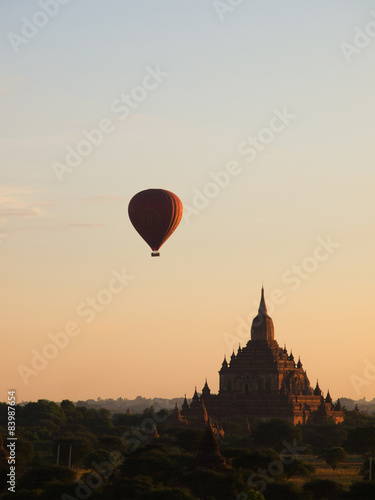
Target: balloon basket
[(155, 254)]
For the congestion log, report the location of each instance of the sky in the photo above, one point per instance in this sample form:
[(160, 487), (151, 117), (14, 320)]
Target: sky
[(259, 116)]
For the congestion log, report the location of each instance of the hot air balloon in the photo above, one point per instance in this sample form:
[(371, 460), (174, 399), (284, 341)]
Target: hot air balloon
[(155, 214)]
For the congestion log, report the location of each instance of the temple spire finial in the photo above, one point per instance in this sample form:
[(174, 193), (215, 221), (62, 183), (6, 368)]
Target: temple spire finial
[(262, 306), (262, 325)]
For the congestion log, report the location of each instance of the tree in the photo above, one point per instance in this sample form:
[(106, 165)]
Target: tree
[(129, 487), (4, 413), (162, 415), (58, 490), (97, 420), (41, 413), (69, 408), (334, 456), (275, 432), (168, 494), (159, 465), (362, 490), (189, 439), (283, 491), (38, 477), (110, 442), (355, 419), (23, 495), (219, 485), (81, 445), (323, 436), (255, 460), (361, 440), (25, 451), (97, 456), (148, 412), (295, 467), (324, 489)]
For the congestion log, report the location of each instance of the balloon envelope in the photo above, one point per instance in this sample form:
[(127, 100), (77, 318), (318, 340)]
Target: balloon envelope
[(155, 214)]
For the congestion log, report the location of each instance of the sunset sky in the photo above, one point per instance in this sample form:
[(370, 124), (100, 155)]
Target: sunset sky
[(259, 116)]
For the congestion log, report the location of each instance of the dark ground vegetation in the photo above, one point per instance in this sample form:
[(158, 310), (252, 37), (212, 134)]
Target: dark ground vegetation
[(125, 456)]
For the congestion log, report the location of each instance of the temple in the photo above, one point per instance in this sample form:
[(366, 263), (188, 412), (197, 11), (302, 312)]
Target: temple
[(263, 380)]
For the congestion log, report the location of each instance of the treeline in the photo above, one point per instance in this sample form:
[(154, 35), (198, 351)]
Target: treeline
[(139, 404), (140, 456)]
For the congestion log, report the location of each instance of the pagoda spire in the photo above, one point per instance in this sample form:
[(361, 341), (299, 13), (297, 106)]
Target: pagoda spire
[(206, 390), (328, 398), (225, 363), (262, 306), (262, 326), (195, 400), (185, 405), (317, 390), (208, 456)]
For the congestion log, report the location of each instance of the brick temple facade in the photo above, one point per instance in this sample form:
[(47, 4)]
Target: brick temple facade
[(263, 380)]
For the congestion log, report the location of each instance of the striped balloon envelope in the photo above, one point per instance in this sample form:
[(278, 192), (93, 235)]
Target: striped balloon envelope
[(155, 214)]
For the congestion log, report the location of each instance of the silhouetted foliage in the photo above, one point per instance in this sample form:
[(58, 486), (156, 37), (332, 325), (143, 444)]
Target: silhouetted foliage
[(24, 451), (96, 456), (158, 464), (189, 439), (334, 456), (319, 437), (249, 495), (230, 453), (57, 490), (324, 489), (294, 467), (361, 440), (284, 491), (148, 412), (43, 413), (127, 420), (109, 442), (24, 495), (37, 433), (362, 490), (274, 433), (97, 420), (80, 445), (207, 484), (255, 460), (130, 487), (168, 494), (355, 419), (69, 408), (38, 477), (129, 463)]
